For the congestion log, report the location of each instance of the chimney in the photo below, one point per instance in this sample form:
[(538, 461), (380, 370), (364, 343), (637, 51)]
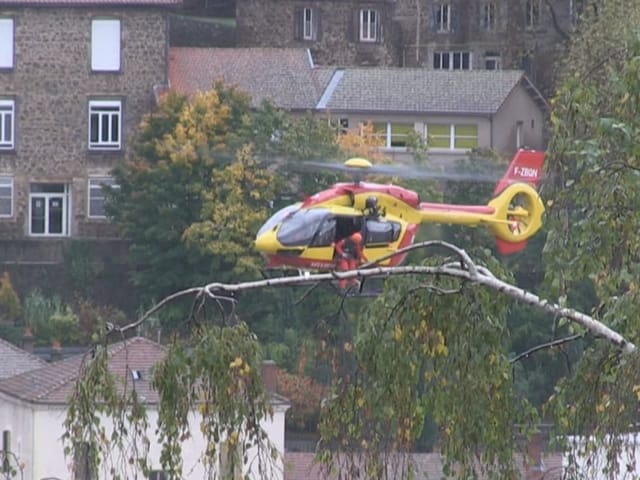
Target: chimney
[(27, 340), (56, 351), (270, 375)]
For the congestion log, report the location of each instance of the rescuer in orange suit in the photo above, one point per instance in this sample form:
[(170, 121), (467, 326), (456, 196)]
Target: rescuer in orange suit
[(349, 255)]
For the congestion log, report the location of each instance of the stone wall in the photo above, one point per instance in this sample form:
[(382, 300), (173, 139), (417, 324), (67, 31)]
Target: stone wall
[(52, 83), (410, 37), (272, 24)]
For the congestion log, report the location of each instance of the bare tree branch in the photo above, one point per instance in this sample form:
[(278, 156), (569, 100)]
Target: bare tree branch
[(466, 271)]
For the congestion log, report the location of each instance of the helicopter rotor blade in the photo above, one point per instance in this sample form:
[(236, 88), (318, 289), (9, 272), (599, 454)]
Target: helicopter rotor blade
[(402, 171)]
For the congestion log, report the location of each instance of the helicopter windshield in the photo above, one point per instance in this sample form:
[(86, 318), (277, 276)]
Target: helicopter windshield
[(299, 229), (277, 217)]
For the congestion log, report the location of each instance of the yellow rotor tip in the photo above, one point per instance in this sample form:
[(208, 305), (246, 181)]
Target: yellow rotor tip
[(357, 163)]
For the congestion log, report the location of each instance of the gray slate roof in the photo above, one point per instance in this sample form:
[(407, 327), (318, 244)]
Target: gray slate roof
[(285, 76), (418, 90), (288, 77), (14, 360)]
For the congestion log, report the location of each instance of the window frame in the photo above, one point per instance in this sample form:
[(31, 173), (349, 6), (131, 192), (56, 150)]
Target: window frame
[(64, 196), (443, 17), (451, 136), (488, 18), (103, 40), (7, 181), (369, 18), (9, 112), (95, 184), (389, 137), (533, 13), (451, 60), (7, 37), (307, 23), (496, 58), (102, 108)]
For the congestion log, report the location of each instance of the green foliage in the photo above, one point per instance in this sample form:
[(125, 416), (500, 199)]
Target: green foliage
[(82, 265), (591, 250), (9, 301), (420, 353), (50, 319)]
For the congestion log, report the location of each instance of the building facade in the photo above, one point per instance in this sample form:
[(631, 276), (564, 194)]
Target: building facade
[(75, 81), (434, 34)]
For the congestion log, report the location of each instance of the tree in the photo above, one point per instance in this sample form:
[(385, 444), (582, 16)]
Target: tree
[(438, 341)]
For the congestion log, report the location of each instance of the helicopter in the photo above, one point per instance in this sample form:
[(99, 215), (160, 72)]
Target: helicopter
[(302, 236)]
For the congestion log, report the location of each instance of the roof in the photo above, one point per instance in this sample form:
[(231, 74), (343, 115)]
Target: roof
[(418, 90), (289, 78), (428, 466), (14, 360), (285, 76), (90, 3), (54, 383)]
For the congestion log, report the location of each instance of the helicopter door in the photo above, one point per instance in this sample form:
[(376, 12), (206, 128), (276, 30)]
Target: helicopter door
[(378, 238), (321, 246)]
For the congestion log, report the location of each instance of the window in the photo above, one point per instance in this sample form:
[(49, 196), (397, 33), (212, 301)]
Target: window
[(6, 40), (576, 8), (307, 29), (443, 17), (306, 23), (158, 475), (6, 196), (488, 18), (7, 115), (104, 125), (393, 135), (369, 25), (452, 137), (381, 232), (6, 453), (96, 195), (532, 13), (105, 45), (340, 125), (492, 61), (49, 209), (452, 60)]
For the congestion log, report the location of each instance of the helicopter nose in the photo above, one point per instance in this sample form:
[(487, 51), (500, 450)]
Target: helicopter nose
[(266, 243)]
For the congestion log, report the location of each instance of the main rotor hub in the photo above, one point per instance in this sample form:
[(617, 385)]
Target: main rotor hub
[(362, 163)]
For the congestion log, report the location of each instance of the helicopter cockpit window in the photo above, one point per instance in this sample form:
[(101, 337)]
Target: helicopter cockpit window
[(299, 229), (326, 234), (277, 217), (381, 232)]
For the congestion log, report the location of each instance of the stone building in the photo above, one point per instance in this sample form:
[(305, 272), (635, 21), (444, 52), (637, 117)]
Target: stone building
[(434, 34), (75, 79)]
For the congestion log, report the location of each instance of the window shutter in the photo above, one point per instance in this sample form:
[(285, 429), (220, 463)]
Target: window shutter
[(298, 23), (378, 27), (455, 19), (354, 26), (316, 24), (433, 23)]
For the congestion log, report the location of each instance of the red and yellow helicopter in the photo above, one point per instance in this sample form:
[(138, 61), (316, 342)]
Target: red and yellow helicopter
[(303, 235)]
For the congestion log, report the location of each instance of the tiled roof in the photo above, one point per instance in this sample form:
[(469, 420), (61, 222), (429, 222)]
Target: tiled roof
[(428, 466), (283, 75), (420, 90), (14, 360), (54, 383), (90, 3), (288, 77)]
